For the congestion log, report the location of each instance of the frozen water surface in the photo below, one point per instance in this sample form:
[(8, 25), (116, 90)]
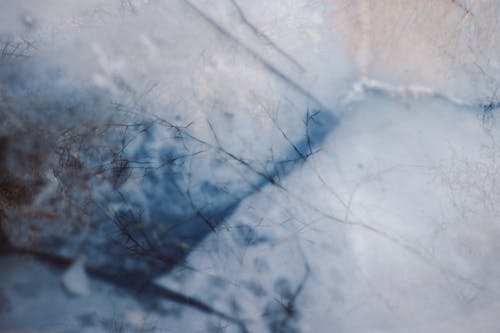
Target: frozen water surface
[(249, 166)]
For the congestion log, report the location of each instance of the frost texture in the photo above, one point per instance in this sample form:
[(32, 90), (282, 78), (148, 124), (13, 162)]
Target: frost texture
[(284, 166)]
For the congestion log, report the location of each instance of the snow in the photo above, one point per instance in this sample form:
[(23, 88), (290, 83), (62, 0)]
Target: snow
[(75, 280), (313, 166)]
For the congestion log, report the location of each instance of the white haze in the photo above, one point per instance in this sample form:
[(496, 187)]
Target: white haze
[(394, 221)]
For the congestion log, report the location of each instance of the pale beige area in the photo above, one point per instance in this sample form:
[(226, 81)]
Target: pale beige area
[(443, 44)]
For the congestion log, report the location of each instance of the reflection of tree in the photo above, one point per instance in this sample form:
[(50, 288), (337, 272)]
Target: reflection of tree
[(90, 171), (84, 170)]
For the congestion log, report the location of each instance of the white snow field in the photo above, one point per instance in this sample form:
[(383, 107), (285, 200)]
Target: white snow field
[(280, 166)]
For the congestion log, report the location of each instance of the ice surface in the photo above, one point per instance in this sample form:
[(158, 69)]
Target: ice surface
[(284, 166)]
